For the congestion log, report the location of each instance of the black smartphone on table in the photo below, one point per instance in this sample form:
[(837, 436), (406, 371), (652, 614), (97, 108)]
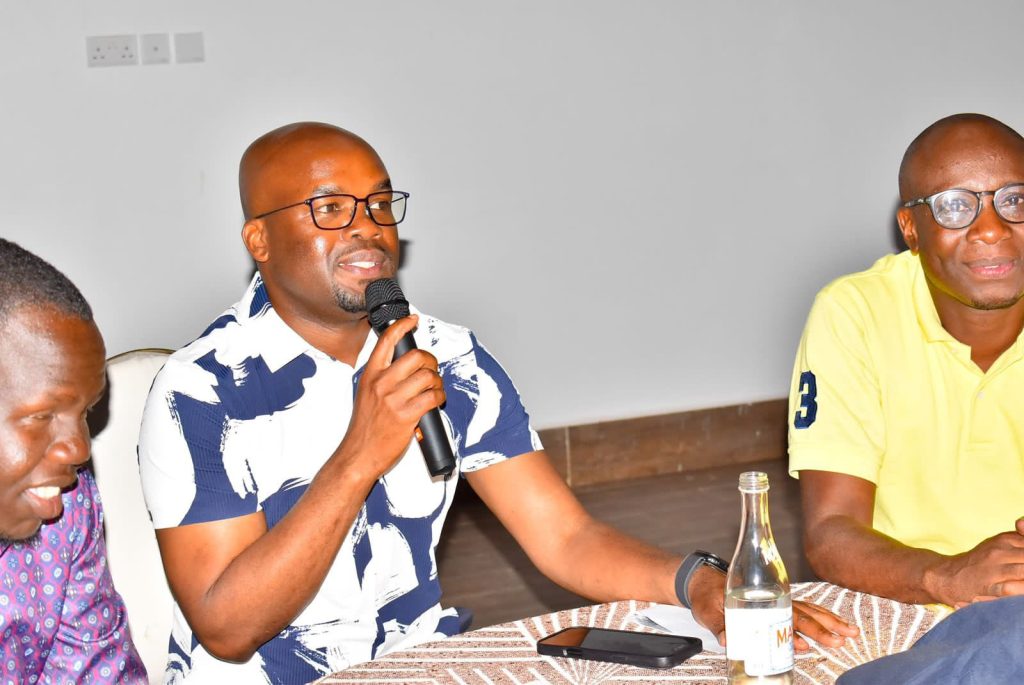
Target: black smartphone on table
[(649, 650)]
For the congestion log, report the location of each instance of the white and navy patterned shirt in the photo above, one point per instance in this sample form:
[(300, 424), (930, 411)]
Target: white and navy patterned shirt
[(242, 419)]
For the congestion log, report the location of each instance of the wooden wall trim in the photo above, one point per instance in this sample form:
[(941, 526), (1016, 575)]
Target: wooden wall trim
[(669, 443)]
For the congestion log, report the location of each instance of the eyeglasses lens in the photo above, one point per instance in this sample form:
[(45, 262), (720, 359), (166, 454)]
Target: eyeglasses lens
[(954, 208), (1009, 203), (333, 211), (386, 209)]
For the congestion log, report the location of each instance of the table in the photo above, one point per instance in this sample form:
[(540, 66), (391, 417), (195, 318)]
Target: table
[(507, 654)]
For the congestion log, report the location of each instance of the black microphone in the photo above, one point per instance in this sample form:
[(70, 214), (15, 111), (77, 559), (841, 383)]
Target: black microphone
[(386, 304)]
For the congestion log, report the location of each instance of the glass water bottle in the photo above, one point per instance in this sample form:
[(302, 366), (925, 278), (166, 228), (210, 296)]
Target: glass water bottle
[(758, 604)]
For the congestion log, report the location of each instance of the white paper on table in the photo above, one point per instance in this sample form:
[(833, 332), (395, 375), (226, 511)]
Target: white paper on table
[(678, 621)]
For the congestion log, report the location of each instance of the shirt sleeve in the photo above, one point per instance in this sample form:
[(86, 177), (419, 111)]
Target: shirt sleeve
[(92, 643), (836, 421), (186, 478), (488, 417)]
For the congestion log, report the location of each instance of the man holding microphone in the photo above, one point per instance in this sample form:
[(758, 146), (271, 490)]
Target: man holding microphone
[(295, 515)]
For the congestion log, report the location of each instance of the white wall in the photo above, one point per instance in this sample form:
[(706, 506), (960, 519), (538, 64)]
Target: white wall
[(632, 203)]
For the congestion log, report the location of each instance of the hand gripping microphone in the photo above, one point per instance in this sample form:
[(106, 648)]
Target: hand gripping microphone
[(386, 305)]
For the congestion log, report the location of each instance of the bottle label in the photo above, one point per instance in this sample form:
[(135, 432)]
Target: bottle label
[(761, 638)]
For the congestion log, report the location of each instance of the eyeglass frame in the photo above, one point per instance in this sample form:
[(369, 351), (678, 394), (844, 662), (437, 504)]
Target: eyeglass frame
[(365, 200), (977, 212)]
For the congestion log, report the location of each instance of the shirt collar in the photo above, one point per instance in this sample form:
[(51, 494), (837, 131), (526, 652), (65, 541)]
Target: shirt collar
[(279, 343), (924, 306), (931, 325)]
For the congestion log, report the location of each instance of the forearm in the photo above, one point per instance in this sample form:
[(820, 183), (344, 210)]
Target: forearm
[(262, 589), (846, 552), (566, 543), (603, 564)]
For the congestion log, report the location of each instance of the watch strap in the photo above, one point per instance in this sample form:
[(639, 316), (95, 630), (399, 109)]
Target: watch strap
[(690, 564)]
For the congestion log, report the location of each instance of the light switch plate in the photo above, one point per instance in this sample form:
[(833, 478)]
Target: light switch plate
[(155, 48)]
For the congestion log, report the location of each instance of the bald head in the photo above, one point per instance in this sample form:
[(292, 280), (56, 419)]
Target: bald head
[(942, 147), (271, 165)]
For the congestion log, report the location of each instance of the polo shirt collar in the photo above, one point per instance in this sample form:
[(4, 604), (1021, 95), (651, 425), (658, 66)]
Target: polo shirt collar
[(924, 306), (279, 343), (928, 315)]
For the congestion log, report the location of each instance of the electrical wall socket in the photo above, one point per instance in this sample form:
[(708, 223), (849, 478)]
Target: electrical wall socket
[(155, 48), (111, 51)]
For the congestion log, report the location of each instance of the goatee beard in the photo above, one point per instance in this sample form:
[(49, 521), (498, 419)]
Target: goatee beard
[(352, 303), (995, 304)]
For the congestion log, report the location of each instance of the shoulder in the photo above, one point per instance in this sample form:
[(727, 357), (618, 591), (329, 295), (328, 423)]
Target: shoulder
[(883, 292), (238, 333), (444, 340), (217, 357), (889, 279), (195, 370)]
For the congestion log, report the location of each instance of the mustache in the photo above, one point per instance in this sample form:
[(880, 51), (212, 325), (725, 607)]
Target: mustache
[(365, 246)]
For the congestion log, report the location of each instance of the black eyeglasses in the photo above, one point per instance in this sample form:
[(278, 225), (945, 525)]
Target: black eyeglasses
[(337, 210), (958, 208)]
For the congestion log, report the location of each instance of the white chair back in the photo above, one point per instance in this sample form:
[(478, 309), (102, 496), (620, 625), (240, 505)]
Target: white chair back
[(132, 552)]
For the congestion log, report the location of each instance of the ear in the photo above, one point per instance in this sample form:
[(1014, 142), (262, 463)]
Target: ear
[(254, 235), (908, 228)]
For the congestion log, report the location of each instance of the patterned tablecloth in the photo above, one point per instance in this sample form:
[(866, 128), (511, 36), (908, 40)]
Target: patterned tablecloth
[(507, 653)]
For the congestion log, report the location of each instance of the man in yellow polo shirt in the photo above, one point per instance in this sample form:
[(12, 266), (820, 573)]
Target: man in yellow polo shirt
[(907, 401)]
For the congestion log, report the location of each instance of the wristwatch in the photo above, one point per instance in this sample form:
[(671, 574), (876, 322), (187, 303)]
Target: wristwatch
[(690, 564)]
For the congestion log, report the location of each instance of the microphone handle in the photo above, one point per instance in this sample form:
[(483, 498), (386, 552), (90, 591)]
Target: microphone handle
[(430, 432)]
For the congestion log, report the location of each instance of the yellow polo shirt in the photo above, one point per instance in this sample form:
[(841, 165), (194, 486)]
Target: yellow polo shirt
[(881, 391)]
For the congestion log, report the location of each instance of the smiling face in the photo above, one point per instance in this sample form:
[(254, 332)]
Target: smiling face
[(982, 266), (313, 275), (51, 372)]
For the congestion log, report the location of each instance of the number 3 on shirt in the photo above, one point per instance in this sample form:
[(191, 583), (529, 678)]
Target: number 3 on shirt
[(805, 416)]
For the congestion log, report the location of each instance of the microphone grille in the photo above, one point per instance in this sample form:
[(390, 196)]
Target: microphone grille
[(385, 303)]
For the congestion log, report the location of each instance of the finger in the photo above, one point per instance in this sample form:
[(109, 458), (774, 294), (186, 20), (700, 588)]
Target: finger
[(812, 609), (421, 381), (1010, 542), (412, 361), (424, 402), (1006, 588), (800, 644), (721, 638), (384, 350), (810, 627), (826, 618)]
